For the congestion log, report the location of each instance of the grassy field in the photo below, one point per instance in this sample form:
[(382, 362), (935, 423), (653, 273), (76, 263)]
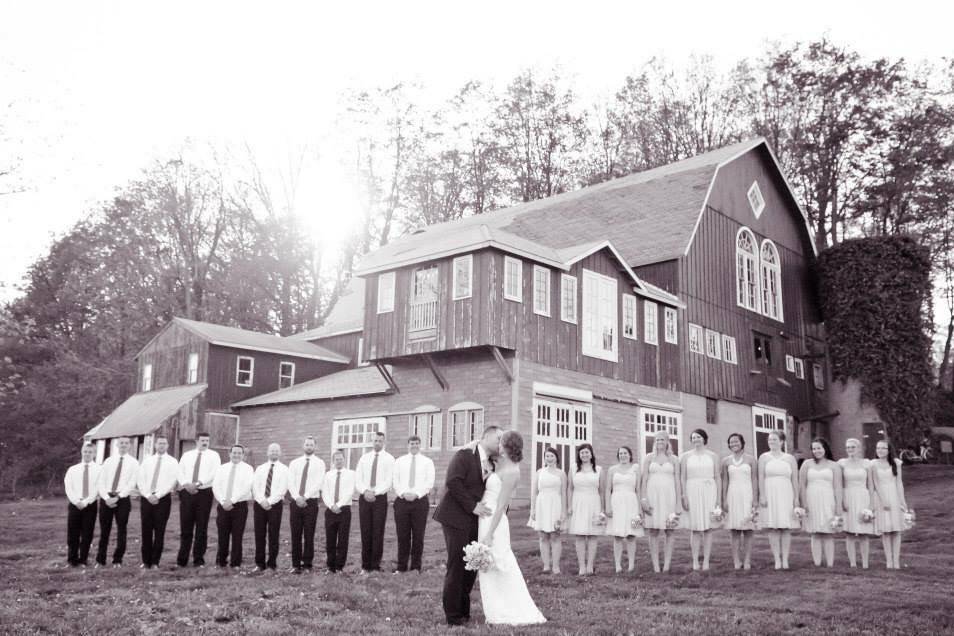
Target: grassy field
[(38, 594)]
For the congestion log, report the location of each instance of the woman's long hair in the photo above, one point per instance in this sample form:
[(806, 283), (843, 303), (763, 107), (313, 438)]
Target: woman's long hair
[(891, 458), (824, 444), (579, 462)]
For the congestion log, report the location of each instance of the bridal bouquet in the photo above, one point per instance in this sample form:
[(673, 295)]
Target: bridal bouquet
[(636, 523), (672, 521), (909, 519), (867, 515), (478, 557), (837, 523), (717, 515)]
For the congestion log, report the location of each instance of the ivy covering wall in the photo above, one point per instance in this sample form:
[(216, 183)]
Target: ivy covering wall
[(875, 295)]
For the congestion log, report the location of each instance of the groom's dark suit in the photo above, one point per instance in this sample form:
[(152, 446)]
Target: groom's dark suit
[(464, 488)]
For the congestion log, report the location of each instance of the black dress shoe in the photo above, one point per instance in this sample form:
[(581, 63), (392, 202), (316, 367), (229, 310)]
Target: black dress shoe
[(295, 570)]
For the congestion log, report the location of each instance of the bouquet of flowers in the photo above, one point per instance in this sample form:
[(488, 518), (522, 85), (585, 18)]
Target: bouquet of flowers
[(672, 521), (599, 520), (837, 523), (478, 557), (717, 515), (800, 513), (867, 515), (636, 522), (909, 519), (751, 520)]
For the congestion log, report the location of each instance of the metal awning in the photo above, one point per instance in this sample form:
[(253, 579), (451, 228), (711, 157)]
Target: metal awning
[(143, 413)]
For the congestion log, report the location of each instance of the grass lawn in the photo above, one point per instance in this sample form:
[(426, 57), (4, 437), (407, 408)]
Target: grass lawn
[(38, 593)]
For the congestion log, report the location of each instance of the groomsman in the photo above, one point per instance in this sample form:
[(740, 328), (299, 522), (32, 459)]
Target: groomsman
[(196, 471), (232, 487), (156, 481), (304, 486), (373, 480), (117, 480), (81, 489), (337, 491), (268, 489), (413, 481)]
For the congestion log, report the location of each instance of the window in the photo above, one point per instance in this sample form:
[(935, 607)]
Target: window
[(541, 290), (762, 349), (561, 425), (789, 363), (423, 309), (244, 371), (223, 430), (712, 411), (746, 270), (713, 344), (818, 376), (729, 353), (466, 423), (192, 375), (799, 368), (147, 377), (671, 325), (764, 421), (513, 279), (600, 316), (771, 281), (385, 292), (355, 437), (568, 298), (755, 199), (463, 276), (286, 375), (650, 322), (629, 316), (695, 339), (362, 359), (655, 420), (427, 426)]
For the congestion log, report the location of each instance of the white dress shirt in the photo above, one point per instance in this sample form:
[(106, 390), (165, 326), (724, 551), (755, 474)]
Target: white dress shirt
[(423, 475), (73, 483), (207, 467), (346, 488), (127, 479), (316, 473), (168, 474), (279, 482), (241, 487), (383, 476)]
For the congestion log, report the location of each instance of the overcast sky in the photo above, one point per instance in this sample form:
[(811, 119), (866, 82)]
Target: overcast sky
[(91, 91)]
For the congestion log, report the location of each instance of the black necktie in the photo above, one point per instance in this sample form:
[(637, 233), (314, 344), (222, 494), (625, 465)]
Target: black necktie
[(268, 481)]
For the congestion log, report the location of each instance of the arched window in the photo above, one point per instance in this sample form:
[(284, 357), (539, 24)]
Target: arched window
[(771, 281), (746, 270)]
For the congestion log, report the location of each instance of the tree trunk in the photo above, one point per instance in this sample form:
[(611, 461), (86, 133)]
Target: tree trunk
[(946, 357)]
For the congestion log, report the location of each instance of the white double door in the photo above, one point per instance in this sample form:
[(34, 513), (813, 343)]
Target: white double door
[(562, 425)]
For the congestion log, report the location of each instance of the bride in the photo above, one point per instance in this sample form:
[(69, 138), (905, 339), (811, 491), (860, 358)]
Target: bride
[(503, 592)]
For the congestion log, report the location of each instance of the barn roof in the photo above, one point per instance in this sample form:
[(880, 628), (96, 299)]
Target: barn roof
[(346, 316), (349, 383), (143, 413)]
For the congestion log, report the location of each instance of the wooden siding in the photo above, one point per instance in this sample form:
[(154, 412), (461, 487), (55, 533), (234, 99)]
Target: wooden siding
[(346, 344), (664, 274), (169, 356)]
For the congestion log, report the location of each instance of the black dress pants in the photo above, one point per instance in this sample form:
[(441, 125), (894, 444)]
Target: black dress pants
[(106, 516), (267, 523), (410, 520), (154, 518), (337, 532), (231, 527), (80, 525), (458, 582), (303, 522), (372, 515), (194, 513)]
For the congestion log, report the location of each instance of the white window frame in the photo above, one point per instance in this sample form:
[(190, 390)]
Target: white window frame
[(789, 363), (282, 375), (430, 419), (629, 317), (818, 376), (770, 281), (568, 308), (671, 325), (386, 283), (362, 361), (594, 336), (799, 368), (146, 377), (212, 415), (696, 339), (766, 411), (359, 436), (541, 277), (561, 424), (192, 368), (473, 415), (652, 420), (650, 322), (513, 269), (756, 200), (730, 352), (238, 371), (460, 294), (713, 344), (748, 290)]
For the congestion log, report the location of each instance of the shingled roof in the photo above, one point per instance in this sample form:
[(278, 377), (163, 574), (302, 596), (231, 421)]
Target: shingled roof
[(652, 216), (349, 383), (346, 316)]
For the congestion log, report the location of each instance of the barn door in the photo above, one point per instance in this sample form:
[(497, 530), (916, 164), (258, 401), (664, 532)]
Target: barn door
[(765, 421), (562, 425)]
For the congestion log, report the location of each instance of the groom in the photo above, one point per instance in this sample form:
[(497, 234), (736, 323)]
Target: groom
[(458, 511)]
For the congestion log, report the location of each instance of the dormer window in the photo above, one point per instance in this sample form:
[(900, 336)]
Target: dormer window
[(746, 270)]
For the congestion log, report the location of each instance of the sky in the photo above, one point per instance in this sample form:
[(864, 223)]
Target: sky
[(92, 92)]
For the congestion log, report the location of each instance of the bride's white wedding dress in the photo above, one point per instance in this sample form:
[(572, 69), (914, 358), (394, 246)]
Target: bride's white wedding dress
[(503, 592)]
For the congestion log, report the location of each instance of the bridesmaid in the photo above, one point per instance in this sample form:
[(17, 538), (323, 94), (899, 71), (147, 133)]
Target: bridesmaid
[(660, 493), (586, 507), (891, 505), (621, 501), (701, 494), (820, 480), (856, 497), (740, 493), (548, 509), (778, 497)]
